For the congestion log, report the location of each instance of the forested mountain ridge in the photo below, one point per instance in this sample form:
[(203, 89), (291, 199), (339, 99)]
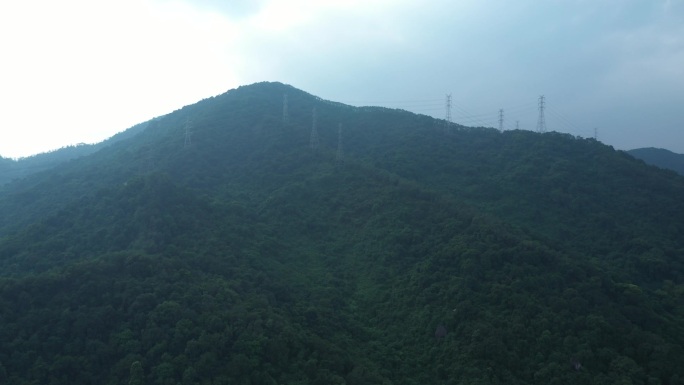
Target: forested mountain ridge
[(661, 158), (218, 246), (13, 169)]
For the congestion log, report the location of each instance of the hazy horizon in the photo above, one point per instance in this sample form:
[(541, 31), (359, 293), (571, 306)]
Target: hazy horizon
[(80, 72)]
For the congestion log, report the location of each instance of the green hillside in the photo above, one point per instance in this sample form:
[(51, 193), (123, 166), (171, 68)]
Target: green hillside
[(15, 169), (660, 157), (217, 247)]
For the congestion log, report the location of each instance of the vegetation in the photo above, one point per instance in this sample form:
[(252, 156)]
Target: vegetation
[(660, 158), (11, 169), (246, 257)]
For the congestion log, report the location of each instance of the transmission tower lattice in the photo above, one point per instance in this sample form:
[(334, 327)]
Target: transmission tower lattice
[(313, 140), (447, 117), (286, 115), (541, 122), (501, 120)]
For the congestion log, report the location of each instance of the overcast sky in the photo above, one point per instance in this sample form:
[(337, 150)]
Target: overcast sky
[(75, 71)]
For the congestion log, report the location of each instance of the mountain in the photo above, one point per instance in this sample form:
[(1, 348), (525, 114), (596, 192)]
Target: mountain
[(230, 242), (660, 158), (11, 169)]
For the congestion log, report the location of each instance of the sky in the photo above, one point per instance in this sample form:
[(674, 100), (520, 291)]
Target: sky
[(79, 71)]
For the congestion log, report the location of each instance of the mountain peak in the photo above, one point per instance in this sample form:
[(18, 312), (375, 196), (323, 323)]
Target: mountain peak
[(217, 245)]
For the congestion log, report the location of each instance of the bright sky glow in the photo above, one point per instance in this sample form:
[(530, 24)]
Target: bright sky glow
[(76, 71)]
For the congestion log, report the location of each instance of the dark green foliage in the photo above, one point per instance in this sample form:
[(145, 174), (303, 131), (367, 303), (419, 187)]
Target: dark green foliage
[(245, 257), (17, 169), (661, 158)]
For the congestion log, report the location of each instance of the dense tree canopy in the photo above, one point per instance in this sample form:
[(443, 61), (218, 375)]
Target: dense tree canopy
[(660, 158), (420, 254)]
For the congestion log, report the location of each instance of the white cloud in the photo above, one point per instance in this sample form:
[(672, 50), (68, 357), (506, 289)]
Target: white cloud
[(82, 70), (79, 71)]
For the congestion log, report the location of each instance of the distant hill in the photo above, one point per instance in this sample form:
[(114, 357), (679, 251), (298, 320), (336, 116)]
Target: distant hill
[(367, 246), (660, 158)]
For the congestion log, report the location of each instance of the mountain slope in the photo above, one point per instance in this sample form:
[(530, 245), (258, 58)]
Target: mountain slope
[(242, 255), (16, 169), (660, 158)]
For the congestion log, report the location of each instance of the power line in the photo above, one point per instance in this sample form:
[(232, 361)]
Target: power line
[(463, 115), (567, 123), (426, 106), (474, 119), (375, 102)]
